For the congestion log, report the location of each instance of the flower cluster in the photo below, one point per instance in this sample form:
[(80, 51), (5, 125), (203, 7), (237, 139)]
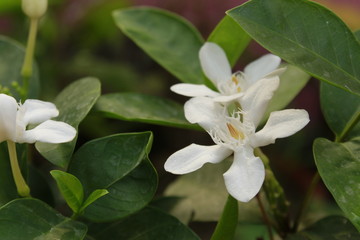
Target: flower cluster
[(231, 117)]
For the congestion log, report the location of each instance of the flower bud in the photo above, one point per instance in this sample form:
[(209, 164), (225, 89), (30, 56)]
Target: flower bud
[(34, 8)]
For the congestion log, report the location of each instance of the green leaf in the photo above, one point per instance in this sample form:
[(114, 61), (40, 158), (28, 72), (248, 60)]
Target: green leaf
[(168, 38), (341, 111), (143, 108), (74, 103), (251, 231), (11, 61), (357, 35), (230, 37), (165, 203), (339, 166), (119, 164), (95, 195), (304, 34), (292, 81), (329, 228), (70, 188), (149, 223), (29, 219)]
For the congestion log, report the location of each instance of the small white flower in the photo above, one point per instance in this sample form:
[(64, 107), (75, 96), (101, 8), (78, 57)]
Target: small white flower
[(230, 86), (14, 119), (236, 134)]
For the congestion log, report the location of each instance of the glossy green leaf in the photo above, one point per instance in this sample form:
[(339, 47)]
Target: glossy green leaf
[(71, 189), (341, 111), (168, 38), (95, 195), (29, 219), (306, 35), (74, 103), (330, 228), (292, 81), (339, 166), (119, 164), (230, 37), (143, 108), (11, 61), (150, 223)]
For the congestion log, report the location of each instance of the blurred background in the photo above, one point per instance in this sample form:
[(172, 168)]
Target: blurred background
[(78, 38)]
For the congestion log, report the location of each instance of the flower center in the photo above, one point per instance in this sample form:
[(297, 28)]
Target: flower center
[(236, 82), (234, 132)]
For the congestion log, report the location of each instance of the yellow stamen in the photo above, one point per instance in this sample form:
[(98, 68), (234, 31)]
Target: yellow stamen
[(236, 82), (234, 79), (235, 133)]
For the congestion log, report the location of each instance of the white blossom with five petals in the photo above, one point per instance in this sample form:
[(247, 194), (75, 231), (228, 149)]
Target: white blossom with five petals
[(236, 134), (15, 118), (231, 86)]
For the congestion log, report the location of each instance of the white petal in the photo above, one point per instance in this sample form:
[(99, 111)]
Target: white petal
[(257, 97), (214, 63), (35, 111), (193, 90), (227, 99), (261, 67), (204, 111), (8, 110), (276, 72), (279, 125), (50, 132), (194, 156), (246, 175)]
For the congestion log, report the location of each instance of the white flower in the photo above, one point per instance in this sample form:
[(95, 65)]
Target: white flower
[(236, 134), (14, 119), (230, 86)]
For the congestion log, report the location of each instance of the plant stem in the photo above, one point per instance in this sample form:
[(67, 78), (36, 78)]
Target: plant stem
[(22, 188), (26, 71), (306, 201), (265, 217), (225, 229)]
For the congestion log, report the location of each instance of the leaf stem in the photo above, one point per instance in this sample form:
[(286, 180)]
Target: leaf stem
[(353, 121), (22, 188), (305, 203), (265, 217), (26, 71), (225, 229)]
